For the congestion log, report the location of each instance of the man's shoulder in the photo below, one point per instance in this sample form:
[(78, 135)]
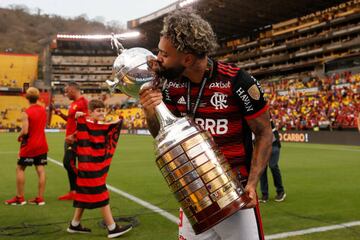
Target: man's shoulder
[(80, 102), (83, 99), (227, 69), (232, 77), (35, 107)]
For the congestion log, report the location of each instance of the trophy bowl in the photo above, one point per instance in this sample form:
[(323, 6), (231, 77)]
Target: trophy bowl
[(131, 71)]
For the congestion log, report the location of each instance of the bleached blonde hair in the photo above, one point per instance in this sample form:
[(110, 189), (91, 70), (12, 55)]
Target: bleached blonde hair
[(189, 33)]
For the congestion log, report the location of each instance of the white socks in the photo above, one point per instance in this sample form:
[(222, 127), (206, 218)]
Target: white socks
[(111, 227), (75, 223)]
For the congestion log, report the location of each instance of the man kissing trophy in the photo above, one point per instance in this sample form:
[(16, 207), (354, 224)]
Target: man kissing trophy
[(196, 172)]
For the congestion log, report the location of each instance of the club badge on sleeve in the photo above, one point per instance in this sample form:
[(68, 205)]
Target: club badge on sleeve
[(254, 92)]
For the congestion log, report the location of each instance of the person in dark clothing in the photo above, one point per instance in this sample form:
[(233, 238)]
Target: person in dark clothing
[(275, 171), (79, 104)]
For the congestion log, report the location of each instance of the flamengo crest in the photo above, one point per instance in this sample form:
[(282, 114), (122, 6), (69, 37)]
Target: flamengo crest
[(219, 100)]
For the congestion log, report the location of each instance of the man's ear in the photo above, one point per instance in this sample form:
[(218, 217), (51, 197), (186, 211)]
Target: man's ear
[(189, 60)]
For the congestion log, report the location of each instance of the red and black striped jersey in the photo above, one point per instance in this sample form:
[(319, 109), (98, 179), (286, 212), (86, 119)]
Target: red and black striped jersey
[(230, 97), (95, 147)]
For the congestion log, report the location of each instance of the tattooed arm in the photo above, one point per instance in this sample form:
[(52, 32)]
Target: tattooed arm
[(261, 128)]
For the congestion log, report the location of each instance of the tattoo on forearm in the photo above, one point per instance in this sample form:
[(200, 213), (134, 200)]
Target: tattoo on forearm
[(262, 149), (153, 125)]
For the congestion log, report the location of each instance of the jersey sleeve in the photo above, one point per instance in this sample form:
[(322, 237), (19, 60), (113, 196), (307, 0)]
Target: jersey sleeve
[(169, 102), (250, 95)]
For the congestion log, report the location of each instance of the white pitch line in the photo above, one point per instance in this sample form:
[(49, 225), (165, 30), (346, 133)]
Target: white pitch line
[(137, 200), (312, 230)]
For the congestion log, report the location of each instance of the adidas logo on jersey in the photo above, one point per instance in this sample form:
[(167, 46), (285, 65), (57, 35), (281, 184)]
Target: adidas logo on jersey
[(181, 100)]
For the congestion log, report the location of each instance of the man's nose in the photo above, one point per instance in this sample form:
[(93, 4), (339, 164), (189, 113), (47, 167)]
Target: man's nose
[(159, 58)]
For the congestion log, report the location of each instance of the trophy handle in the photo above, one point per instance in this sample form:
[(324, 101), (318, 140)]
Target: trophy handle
[(116, 45), (112, 85)]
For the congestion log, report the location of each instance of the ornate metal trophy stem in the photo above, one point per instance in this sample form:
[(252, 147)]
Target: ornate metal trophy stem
[(164, 116)]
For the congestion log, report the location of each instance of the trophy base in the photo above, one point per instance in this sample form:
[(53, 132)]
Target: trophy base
[(219, 216), (198, 174)]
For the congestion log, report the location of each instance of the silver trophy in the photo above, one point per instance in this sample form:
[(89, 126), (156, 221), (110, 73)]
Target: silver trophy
[(195, 170)]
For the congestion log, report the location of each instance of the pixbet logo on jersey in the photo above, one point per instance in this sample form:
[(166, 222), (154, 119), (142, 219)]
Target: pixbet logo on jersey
[(219, 100), (174, 85), (219, 85)]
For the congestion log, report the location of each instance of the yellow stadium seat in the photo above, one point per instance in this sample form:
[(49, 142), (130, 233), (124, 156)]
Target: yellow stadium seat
[(17, 69), (14, 106)]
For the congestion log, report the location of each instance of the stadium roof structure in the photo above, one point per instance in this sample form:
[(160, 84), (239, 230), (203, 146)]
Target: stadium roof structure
[(95, 41), (231, 18)]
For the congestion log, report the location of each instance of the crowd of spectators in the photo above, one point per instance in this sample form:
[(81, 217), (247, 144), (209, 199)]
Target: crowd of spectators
[(331, 102)]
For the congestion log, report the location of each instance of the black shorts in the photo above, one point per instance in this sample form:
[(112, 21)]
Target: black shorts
[(37, 160)]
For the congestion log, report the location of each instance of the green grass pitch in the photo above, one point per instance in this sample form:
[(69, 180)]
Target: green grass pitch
[(322, 184)]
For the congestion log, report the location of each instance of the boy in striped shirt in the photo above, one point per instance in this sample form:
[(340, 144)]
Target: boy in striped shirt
[(96, 142)]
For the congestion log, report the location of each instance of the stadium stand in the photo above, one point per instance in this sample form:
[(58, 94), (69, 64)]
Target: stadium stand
[(86, 61), (57, 121), (133, 118), (16, 72), (89, 63), (11, 106), (328, 103), (10, 109), (17, 69), (297, 44)]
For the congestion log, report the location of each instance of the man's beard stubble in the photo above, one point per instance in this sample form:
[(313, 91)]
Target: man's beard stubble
[(171, 73)]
